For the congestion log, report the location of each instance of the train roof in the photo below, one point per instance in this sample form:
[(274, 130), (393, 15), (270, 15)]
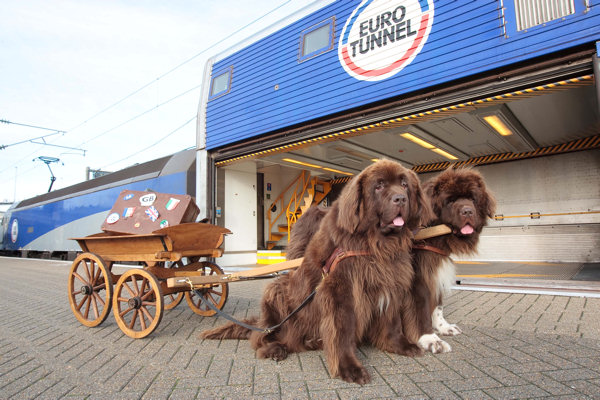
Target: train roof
[(177, 162)]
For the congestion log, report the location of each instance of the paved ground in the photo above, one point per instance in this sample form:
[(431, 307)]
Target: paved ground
[(513, 346)]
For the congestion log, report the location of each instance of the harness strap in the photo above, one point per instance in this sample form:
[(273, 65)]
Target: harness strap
[(337, 256), (431, 248)]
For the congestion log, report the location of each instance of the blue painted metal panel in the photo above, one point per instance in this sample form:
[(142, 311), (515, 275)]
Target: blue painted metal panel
[(271, 90), (37, 221)]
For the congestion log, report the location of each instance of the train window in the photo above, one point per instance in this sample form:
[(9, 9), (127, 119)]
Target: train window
[(220, 83), (537, 12), (522, 16), (316, 40)]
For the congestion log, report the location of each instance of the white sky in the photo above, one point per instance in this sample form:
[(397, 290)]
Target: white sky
[(62, 62)]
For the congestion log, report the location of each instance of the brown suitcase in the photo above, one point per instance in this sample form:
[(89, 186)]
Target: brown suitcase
[(140, 213)]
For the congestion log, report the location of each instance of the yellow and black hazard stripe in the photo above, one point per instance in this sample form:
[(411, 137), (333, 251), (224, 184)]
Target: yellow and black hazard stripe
[(423, 116), (591, 142)]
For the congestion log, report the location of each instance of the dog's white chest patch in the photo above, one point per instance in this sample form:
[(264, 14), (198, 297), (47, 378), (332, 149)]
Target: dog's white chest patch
[(446, 275)]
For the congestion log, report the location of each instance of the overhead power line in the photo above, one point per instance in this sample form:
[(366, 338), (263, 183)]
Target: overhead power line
[(152, 145), (140, 115), (36, 140), (30, 126), (177, 67), (146, 86)]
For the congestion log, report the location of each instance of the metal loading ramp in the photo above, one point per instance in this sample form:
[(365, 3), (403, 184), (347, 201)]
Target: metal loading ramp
[(567, 279)]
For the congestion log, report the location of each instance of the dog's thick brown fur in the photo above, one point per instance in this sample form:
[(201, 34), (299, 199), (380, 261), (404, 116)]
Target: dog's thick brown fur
[(365, 299), (303, 230), (460, 199)]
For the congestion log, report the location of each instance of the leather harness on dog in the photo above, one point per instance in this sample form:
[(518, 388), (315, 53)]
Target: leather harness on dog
[(431, 248), (337, 256), (332, 262)]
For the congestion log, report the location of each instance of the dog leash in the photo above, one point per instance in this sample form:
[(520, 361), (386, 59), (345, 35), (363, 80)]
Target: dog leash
[(248, 326), (337, 256)]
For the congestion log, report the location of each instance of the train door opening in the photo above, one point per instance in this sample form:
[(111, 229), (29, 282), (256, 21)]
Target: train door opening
[(545, 173)]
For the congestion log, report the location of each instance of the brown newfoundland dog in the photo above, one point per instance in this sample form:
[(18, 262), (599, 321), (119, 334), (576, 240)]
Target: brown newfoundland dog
[(363, 298), (459, 198)]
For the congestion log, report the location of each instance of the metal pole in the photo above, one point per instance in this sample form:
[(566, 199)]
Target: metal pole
[(596, 66)]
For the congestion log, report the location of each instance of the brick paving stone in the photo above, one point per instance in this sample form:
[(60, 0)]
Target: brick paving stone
[(513, 346), (548, 384), (473, 395), (437, 390), (459, 385), (516, 392)]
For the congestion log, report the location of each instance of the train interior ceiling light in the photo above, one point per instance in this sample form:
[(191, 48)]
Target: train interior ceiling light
[(321, 166), (428, 141), (502, 121)]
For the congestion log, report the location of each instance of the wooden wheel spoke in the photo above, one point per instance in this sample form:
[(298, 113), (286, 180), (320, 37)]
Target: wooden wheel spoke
[(86, 268), (78, 307), (213, 291), (142, 320), (133, 319), (98, 298), (100, 287), (142, 293), (94, 306), (97, 275), (76, 275), (93, 270), (136, 288), (131, 292), (87, 307), (212, 299), (122, 313), (147, 313)]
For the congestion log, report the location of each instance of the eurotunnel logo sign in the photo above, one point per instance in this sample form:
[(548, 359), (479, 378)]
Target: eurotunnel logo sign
[(381, 37)]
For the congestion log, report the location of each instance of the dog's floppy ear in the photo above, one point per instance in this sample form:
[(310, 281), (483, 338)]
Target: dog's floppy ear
[(431, 190), (490, 202), (487, 198), (421, 213), (350, 205)]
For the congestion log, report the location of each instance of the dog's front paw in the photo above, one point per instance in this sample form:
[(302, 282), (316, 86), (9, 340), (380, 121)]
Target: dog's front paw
[(432, 342), (354, 374), (449, 330)]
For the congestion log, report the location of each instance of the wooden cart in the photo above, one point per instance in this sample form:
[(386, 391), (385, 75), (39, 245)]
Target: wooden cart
[(140, 295)]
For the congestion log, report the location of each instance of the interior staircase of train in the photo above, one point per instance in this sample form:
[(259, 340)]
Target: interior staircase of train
[(293, 201)]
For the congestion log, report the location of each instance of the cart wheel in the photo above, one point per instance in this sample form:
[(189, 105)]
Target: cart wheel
[(172, 300), (90, 289), (138, 303), (216, 293)]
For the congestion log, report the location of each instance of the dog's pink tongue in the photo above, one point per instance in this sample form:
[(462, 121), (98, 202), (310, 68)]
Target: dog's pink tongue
[(467, 229), (398, 221)]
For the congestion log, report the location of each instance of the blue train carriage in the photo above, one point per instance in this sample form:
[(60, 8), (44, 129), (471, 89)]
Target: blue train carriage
[(42, 225), (340, 83), (370, 51)]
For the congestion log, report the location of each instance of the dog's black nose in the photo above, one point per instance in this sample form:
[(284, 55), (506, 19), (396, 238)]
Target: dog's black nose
[(398, 199), (467, 211)]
